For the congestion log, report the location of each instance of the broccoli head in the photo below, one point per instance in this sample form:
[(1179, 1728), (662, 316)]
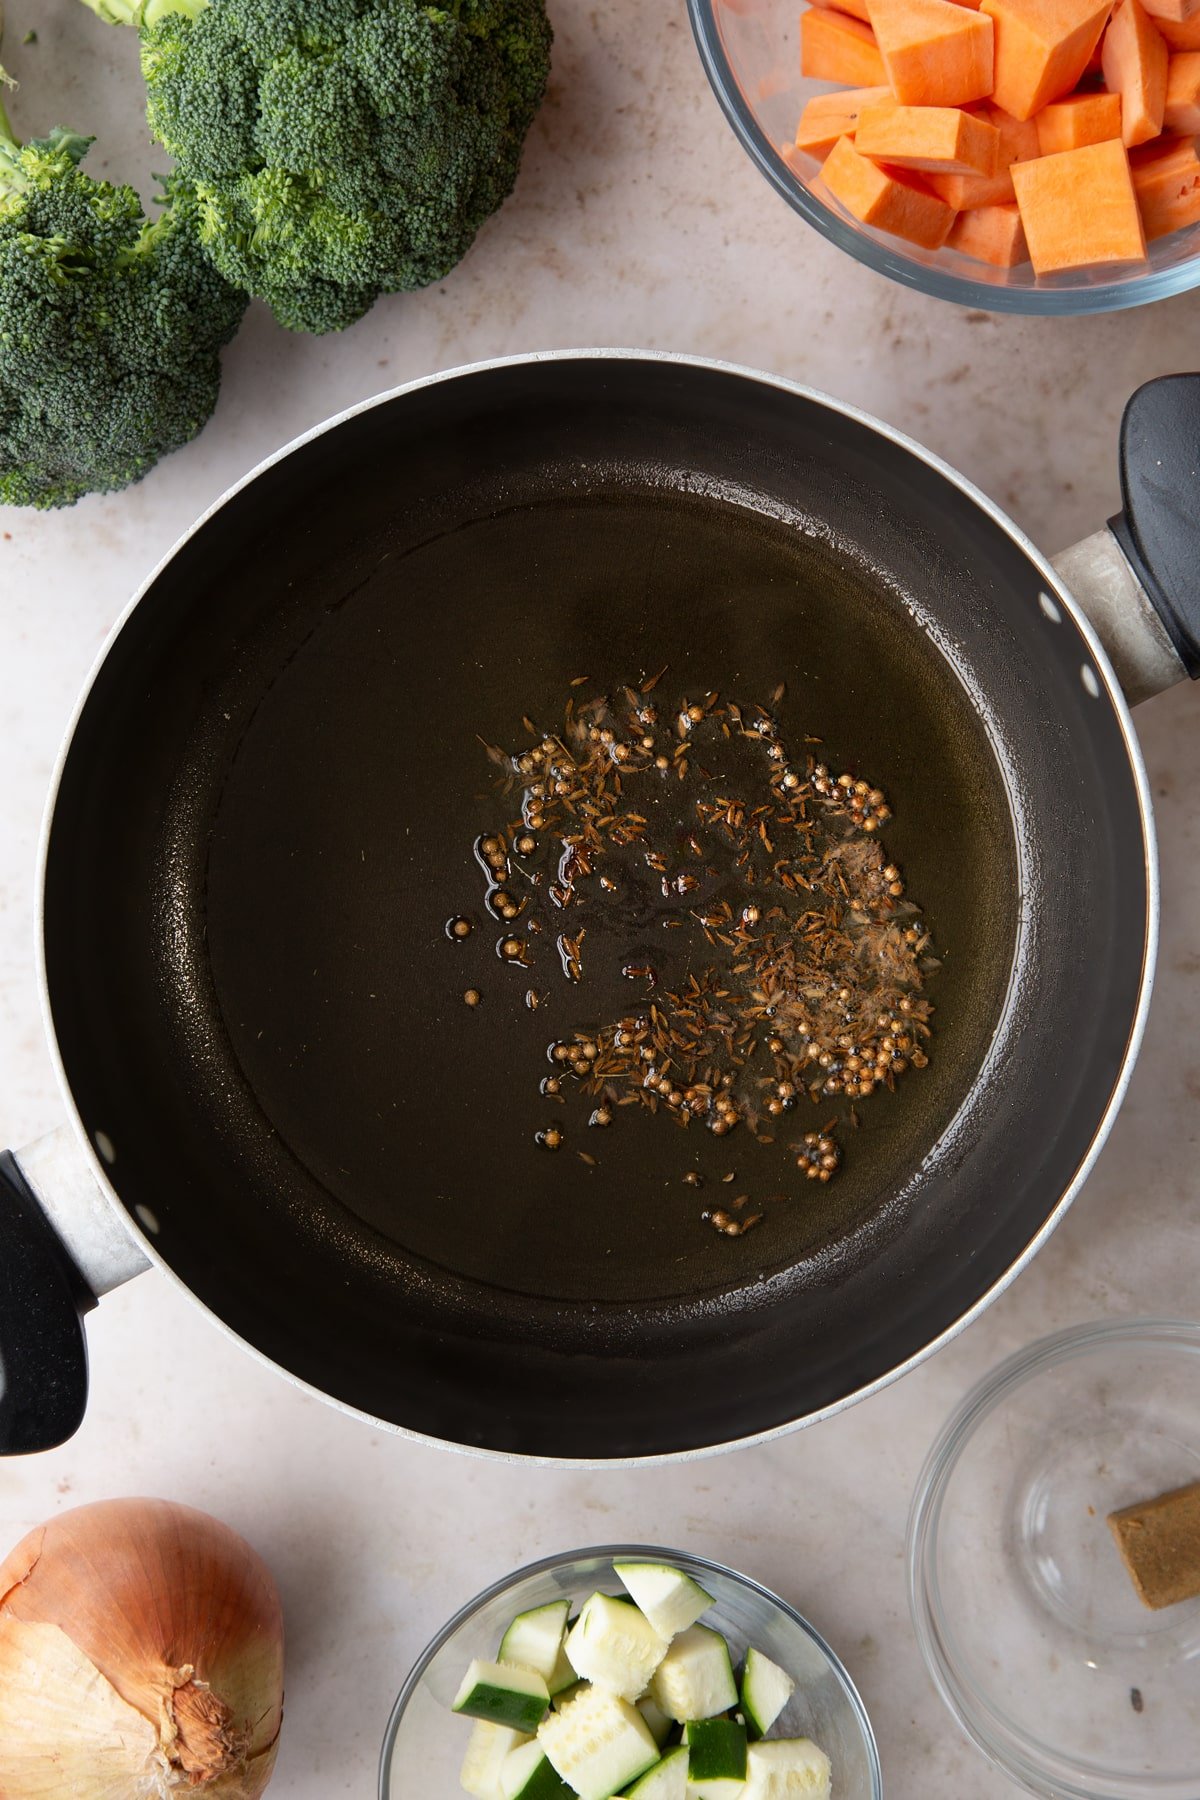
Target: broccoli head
[(340, 149), (110, 326)]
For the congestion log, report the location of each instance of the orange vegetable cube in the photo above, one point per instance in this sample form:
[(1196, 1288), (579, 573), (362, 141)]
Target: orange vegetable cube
[(991, 234), (1180, 34), (1166, 180), (1182, 109), (828, 117), (1018, 142), (893, 200), (1079, 209), (835, 47), (1134, 58), (1042, 49), (1079, 119), (1177, 10), (856, 8), (943, 139), (935, 53)]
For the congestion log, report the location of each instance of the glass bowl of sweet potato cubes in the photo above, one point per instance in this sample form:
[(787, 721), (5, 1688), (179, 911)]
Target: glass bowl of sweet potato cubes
[(1038, 156)]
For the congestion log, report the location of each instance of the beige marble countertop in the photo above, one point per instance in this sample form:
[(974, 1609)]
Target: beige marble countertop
[(637, 221)]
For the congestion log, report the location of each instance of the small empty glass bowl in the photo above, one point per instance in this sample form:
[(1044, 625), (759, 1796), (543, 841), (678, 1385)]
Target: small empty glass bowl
[(424, 1744), (751, 53), (1024, 1611)]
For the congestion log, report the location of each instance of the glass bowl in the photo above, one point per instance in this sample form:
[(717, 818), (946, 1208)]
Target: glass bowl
[(1023, 1609), (424, 1743), (751, 53)]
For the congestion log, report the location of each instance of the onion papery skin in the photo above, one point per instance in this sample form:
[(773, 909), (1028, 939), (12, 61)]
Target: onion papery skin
[(141, 1656)]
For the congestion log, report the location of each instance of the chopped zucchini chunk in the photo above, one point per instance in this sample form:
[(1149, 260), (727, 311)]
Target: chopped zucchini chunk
[(694, 1680), (766, 1690), (667, 1780), (660, 1726), (503, 1695), (716, 1758), (528, 1774), (670, 1599), (598, 1743), (487, 1748), (786, 1769), (613, 1644), (534, 1639)]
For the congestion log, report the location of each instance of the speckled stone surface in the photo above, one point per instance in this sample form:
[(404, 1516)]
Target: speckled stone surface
[(637, 221)]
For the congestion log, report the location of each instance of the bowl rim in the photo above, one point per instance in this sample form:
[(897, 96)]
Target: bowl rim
[(1006, 1752), (996, 297), (652, 1552)]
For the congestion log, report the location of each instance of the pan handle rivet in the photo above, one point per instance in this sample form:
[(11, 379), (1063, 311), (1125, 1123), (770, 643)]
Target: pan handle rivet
[(104, 1145), (1089, 679), (148, 1219), (1050, 608)]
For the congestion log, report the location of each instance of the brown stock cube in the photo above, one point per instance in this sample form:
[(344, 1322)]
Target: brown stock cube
[(1159, 1541)]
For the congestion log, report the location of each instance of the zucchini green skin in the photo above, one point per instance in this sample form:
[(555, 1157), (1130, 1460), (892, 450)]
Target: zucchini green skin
[(667, 1780), (503, 1696), (716, 1750), (765, 1692), (542, 1782)]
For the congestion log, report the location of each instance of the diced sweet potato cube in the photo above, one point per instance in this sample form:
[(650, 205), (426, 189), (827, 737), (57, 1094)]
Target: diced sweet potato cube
[(1182, 110), (828, 117), (892, 200), (1134, 58), (1166, 180), (991, 234), (1177, 10), (943, 139), (1042, 49), (1018, 142), (1180, 34), (1079, 209), (935, 53), (856, 8), (835, 47), (1077, 120)]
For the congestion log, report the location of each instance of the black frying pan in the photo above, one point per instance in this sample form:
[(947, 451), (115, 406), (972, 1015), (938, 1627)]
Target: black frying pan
[(265, 816)]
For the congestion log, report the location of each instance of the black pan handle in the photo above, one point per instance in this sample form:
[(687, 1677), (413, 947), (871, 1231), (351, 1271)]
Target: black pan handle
[(43, 1299), (1159, 526)]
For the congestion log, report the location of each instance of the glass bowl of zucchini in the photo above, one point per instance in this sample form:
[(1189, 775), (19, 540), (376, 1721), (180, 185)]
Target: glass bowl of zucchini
[(628, 1670)]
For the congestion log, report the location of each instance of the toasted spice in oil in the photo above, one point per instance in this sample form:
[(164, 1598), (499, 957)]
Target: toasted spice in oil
[(806, 988)]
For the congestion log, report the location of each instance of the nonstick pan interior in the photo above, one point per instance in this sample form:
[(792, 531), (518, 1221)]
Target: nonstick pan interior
[(269, 813)]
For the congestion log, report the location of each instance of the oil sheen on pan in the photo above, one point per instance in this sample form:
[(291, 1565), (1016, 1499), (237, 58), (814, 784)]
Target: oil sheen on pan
[(406, 1027)]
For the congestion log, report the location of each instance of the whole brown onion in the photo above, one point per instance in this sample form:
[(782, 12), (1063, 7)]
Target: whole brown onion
[(141, 1654)]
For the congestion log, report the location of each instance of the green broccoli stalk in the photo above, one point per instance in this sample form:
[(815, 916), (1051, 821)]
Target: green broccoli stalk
[(340, 149), (110, 326)]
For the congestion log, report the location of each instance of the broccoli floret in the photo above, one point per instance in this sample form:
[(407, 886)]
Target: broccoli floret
[(110, 326), (340, 149)]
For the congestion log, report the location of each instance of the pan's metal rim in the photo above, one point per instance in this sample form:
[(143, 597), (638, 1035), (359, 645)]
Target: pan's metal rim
[(1111, 689), (609, 1553)]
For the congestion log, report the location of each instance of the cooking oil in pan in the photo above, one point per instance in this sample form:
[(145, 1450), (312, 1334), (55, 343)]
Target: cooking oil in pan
[(742, 891)]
